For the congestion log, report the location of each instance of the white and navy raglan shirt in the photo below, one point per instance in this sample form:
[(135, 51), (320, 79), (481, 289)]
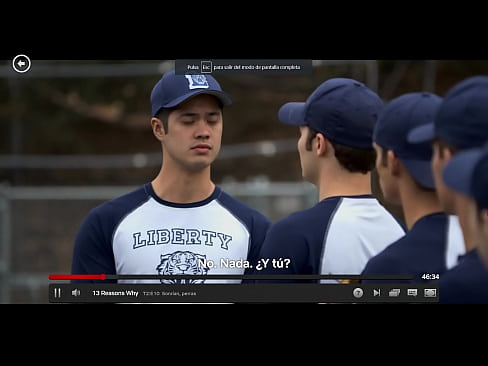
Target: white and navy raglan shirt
[(337, 236), (432, 246), (139, 233)]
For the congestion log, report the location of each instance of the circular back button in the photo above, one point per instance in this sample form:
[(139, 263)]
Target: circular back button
[(21, 63)]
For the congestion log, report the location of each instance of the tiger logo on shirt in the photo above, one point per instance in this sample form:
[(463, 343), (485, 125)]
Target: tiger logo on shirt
[(182, 263)]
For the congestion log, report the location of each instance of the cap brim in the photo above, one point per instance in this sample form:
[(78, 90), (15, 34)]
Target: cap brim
[(222, 96), (458, 173), (421, 171), (424, 133), (292, 113)]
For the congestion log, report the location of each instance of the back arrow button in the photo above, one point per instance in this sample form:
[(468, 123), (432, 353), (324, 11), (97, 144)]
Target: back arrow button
[(21, 63)]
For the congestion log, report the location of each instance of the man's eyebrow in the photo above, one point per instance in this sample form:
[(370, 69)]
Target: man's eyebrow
[(191, 114)]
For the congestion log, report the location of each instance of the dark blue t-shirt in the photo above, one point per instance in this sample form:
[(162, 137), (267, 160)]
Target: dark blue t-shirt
[(466, 283)]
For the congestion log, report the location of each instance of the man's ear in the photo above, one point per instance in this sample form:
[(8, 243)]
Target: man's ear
[(446, 154), (393, 163), (484, 215), (157, 127), (321, 144)]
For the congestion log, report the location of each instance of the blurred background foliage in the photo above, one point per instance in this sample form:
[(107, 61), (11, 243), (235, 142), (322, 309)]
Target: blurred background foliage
[(110, 115)]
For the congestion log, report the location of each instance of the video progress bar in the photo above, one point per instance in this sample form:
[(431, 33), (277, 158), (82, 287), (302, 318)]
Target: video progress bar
[(227, 277)]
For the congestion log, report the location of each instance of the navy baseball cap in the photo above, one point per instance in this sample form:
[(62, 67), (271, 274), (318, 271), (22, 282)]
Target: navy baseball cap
[(400, 116), (344, 110), (467, 172), (174, 89), (462, 118)]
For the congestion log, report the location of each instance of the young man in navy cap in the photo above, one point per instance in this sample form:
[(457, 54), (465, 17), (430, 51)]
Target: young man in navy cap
[(348, 226), (467, 283), (180, 221), (432, 244), (461, 123)]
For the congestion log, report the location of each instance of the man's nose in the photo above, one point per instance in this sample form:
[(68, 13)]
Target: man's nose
[(202, 131)]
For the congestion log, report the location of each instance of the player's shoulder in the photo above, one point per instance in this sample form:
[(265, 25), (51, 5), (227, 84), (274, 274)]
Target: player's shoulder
[(362, 204), (427, 232), (367, 208), (467, 282), (122, 204), (469, 268), (390, 258), (304, 216), (315, 216), (429, 222), (239, 208)]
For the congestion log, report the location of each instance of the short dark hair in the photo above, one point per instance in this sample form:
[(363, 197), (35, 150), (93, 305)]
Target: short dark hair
[(384, 162), (310, 136), (163, 116), (384, 156), (353, 159), (481, 212)]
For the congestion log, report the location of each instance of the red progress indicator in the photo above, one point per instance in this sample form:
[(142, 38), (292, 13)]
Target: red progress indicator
[(78, 277)]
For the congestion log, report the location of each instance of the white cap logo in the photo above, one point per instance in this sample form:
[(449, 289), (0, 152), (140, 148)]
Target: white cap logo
[(197, 81)]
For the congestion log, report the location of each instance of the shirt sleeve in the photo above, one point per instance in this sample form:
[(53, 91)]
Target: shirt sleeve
[(284, 251), (92, 253), (260, 228)]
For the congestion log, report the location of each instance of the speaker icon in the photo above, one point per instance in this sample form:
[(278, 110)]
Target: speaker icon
[(75, 292)]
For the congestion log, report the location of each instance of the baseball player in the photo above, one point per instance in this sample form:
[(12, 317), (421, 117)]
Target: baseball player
[(461, 123), (348, 225), (180, 222), (432, 243), (467, 173)]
